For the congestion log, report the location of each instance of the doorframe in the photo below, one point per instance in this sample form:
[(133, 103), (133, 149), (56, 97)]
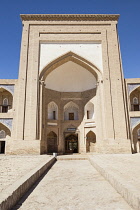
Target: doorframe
[(70, 133)]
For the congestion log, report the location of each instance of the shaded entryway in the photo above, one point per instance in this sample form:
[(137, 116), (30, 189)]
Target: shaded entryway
[(2, 147), (90, 141), (6, 100), (4, 132), (135, 99), (52, 142), (136, 138), (71, 143)]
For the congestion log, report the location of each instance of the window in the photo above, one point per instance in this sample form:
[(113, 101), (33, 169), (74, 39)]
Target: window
[(136, 107), (5, 102), (89, 110), (71, 111), (71, 116), (54, 115), (4, 109), (52, 111), (135, 100), (138, 133), (5, 105), (2, 134), (87, 114)]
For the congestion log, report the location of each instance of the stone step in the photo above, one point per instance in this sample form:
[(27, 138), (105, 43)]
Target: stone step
[(72, 157)]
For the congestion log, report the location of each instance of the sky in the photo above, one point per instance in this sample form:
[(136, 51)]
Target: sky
[(11, 28)]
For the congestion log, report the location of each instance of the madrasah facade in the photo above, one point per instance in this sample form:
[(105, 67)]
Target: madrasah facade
[(70, 96)]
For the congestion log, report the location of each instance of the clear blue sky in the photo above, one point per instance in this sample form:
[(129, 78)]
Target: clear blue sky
[(11, 28)]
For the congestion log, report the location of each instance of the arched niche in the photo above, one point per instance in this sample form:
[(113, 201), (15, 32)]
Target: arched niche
[(138, 132), (89, 110), (135, 99), (136, 138), (90, 141), (5, 132), (71, 111), (70, 73), (52, 142), (70, 56), (52, 111), (6, 100)]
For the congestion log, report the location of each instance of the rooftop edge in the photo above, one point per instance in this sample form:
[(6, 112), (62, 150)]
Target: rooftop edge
[(69, 17)]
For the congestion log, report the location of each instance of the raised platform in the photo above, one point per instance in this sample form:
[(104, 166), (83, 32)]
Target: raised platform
[(19, 175), (122, 171)]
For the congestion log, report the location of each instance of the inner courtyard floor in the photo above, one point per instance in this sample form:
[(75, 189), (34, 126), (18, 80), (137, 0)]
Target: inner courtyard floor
[(73, 185)]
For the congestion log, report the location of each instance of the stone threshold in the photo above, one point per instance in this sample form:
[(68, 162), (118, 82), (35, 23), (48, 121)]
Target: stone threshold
[(72, 157), (10, 196)]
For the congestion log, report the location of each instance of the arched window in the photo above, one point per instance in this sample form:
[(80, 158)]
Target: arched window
[(52, 111), (136, 104), (5, 105), (71, 111), (89, 110), (5, 102), (135, 100), (138, 132), (2, 134)]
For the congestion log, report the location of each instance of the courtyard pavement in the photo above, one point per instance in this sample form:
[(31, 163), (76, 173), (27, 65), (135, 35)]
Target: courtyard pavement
[(73, 185), (13, 167)]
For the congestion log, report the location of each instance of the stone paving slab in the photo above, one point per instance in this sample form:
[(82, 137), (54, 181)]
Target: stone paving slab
[(123, 172), (73, 185), (13, 167)]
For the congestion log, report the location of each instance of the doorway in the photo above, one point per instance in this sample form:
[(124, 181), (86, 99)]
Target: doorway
[(52, 142), (2, 147), (90, 141), (71, 143)]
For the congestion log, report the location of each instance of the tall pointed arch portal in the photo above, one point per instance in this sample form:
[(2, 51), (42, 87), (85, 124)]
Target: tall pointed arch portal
[(66, 80)]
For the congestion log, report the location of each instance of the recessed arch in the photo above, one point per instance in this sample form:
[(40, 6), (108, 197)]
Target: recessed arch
[(71, 143), (135, 126), (136, 137), (70, 104), (4, 88), (52, 142), (89, 110), (6, 98), (137, 87), (138, 131), (70, 56), (135, 99), (90, 141), (52, 111), (5, 128), (71, 111)]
